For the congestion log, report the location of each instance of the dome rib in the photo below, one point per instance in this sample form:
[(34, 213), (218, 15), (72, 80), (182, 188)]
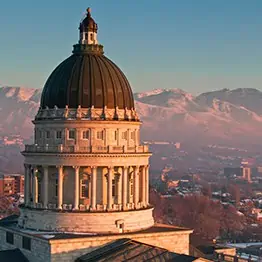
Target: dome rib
[(80, 81), (119, 80), (102, 81), (87, 79), (112, 83), (70, 82)]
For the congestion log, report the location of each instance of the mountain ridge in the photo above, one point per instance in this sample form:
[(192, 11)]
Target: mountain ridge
[(170, 114)]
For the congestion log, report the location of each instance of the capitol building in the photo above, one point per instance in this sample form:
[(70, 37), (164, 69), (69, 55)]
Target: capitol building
[(86, 173)]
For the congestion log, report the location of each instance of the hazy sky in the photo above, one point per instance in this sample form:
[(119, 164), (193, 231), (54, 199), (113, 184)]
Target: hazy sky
[(195, 45)]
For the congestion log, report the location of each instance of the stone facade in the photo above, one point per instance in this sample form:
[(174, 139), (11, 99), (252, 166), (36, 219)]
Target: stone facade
[(40, 248), (110, 222), (46, 249)]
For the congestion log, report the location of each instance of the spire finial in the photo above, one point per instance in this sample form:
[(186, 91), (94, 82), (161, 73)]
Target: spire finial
[(88, 10)]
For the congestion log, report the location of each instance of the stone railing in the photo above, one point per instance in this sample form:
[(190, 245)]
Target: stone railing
[(89, 150), (83, 208), (87, 114)]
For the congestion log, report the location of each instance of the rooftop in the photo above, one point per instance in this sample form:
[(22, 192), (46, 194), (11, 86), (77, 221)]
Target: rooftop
[(130, 250)]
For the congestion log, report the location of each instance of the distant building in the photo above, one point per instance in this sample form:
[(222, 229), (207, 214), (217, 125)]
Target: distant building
[(243, 172), (11, 184)]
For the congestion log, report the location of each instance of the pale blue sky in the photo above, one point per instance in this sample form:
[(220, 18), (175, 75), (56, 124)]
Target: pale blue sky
[(195, 45)]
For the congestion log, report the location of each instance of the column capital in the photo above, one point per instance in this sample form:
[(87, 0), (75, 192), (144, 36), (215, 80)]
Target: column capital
[(45, 166), (76, 167), (125, 167), (136, 169), (93, 167), (110, 168), (35, 169), (27, 165), (59, 166)]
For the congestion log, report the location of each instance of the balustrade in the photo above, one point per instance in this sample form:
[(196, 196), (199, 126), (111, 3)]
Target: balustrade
[(78, 149)]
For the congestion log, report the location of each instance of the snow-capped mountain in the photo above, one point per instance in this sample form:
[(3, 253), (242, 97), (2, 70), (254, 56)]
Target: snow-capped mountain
[(18, 107), (169, 114)]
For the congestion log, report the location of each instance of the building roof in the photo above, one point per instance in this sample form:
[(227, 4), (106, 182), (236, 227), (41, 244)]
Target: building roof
[(9, 220), (12, 255), (130, 250), (87, 79)]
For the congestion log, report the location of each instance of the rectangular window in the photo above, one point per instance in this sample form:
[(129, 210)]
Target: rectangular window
[(47, 134), (84, 188), (9, 238), (58, 134), (86, 134), (26, 243), (113, 187), (56, 187), (124, 135), (131, 187), (72, 134), (133, 135), (116, 135), (100, 135), (40, 134)]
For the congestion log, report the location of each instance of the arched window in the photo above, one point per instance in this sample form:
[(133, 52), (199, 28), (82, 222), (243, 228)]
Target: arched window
[(91, 37)]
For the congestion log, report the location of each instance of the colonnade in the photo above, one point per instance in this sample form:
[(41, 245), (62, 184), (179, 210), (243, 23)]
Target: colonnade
[(140, 192)]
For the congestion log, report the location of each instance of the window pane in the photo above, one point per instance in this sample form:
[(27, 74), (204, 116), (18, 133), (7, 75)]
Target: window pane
[(86, 134), (124, 135), (9, 238), (59, 134), (47, 134), (72, 134), (85, 188), (100, 135), (26, 243)]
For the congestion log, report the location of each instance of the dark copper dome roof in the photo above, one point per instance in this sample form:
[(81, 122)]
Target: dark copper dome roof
[(87, 79)]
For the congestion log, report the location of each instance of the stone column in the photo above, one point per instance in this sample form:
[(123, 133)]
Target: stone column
[(27, 185), (136, 186), (60, 187), (93, 187), (109, 187), (144, 186), (147, 185), (35, 186), (45, 180), (124, 187), (76, 192)]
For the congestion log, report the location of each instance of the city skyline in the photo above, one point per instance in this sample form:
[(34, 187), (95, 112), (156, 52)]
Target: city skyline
[(197, 47)]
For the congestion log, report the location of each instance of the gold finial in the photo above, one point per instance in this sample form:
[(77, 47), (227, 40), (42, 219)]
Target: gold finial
[(88, 10)]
